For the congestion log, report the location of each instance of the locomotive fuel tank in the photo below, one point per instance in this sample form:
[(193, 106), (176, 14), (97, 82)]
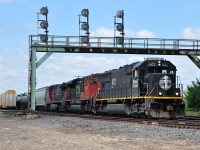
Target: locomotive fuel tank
[(118, 109)]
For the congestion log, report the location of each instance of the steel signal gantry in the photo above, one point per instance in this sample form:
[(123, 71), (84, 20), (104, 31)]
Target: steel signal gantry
[(74, 44)]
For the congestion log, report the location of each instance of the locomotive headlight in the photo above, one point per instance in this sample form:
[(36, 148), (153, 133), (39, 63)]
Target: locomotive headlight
[(160, 93), (159, 63), (176, 93)]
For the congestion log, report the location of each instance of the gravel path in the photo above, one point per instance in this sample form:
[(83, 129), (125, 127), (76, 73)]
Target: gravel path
[(68, 133)]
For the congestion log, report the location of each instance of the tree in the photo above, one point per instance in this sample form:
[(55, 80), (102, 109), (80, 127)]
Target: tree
[(192, 95)]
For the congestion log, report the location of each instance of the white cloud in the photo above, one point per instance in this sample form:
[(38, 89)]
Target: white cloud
[(12, 78), (135, 59), (11, 1), (80, 65), (6, 1), (6, 72), (145, 34), (65, 68), (108, 32), (103, 32), (189, 33)]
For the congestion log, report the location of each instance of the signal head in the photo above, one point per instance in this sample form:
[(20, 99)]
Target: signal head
[(120, 14), (44, 24), (44, 10), (85, 12), (43, 38), (119, 27), (85, 26)]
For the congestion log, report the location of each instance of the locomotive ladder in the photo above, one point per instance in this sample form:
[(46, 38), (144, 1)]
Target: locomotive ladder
[(108, 45)]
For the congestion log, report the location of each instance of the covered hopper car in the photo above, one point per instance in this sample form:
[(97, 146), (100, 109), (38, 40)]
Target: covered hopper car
[(8, 99)]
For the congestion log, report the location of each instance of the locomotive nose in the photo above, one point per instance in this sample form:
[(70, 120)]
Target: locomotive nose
[(161, 84)]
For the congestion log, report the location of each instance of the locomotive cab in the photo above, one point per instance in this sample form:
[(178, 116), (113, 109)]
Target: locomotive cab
[(156, 82)]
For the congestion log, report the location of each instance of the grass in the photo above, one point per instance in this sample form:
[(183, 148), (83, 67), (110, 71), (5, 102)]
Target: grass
[(11, 113), (192, 113), (182, 137)]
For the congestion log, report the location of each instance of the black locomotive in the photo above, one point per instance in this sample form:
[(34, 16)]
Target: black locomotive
[(143, 88)]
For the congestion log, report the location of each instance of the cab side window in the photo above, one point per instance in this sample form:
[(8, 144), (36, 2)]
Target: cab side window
[(136, 74), (86, 81)]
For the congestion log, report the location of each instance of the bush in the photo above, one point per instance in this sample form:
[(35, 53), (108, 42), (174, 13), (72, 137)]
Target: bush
[(192, 95)]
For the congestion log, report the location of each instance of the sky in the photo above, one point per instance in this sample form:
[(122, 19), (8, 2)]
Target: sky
[(143, 19)]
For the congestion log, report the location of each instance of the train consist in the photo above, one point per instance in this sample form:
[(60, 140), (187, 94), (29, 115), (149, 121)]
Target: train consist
[(144, 88)]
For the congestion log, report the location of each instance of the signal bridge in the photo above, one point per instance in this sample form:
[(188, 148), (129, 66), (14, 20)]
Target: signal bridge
[(155, 46), (108, 45)]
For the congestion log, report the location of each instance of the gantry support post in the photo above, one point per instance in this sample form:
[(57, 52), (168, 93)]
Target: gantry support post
[(34, 66), (33, 78)]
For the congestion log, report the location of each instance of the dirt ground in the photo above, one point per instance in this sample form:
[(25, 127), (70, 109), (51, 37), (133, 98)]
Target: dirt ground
[(18, 133)]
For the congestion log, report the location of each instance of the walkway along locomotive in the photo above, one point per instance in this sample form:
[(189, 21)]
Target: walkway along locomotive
[(144, 88)]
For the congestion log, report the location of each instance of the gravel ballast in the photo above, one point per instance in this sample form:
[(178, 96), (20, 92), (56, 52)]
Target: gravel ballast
[(70, 133)]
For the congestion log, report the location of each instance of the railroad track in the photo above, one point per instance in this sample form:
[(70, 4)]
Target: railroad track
[(188, 122)]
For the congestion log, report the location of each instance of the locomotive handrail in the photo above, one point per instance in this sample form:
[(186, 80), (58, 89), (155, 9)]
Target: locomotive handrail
[(110, 42), (153, 89)]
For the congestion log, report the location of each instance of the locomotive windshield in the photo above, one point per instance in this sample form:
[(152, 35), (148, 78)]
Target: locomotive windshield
[(160, 70), (94, 79)]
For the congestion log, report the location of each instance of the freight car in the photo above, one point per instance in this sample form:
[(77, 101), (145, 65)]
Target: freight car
[(46, 98), (22, 100), (40, 98), (144, 88), (8, 99)]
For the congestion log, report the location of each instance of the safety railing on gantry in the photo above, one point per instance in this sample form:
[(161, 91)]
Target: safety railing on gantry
[(111, 42)]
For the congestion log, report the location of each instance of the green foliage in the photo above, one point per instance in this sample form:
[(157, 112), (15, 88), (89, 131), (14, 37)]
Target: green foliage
[(10, 113), (192, 95), (182, 137), (190, 112)]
